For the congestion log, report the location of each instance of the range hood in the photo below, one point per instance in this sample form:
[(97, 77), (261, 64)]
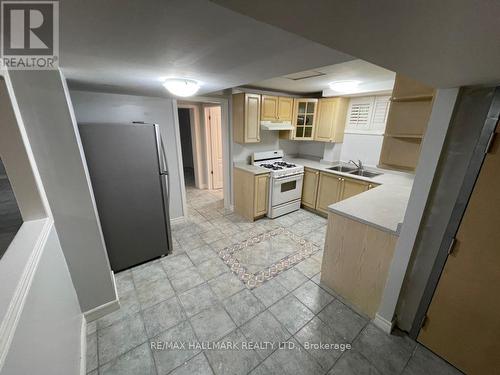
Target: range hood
[(271, 125)]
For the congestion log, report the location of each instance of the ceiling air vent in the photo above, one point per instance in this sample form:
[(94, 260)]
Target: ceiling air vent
[(304, 75)]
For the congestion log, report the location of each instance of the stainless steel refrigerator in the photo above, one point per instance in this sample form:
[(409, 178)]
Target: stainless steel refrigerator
[(129, 175)]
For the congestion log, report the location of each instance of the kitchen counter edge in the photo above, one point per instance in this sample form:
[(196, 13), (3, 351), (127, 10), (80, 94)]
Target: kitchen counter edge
[(382, 207)]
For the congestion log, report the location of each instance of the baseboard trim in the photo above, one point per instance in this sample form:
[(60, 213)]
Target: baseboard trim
[(83, 347), (178, 220), (384, 324), (102, 310)]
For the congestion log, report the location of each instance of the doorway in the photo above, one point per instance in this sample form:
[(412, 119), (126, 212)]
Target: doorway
[(186, 146), (201, 141)]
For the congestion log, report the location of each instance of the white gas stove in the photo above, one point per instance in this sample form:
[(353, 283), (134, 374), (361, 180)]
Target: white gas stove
[(285, 187)]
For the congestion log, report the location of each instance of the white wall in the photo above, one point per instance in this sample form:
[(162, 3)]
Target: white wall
[(105, 107), (364, 147), (43, 103), (332, 152), (40, 314), (47, 338)]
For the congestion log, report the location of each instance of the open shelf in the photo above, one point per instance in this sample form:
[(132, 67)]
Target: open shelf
[(417, 136), (395, 168), (411, 106), (412, 98), (400, 152), (405, 88), (409, 118)]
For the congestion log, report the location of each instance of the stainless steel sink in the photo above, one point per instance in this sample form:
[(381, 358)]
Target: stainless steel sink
[(363, 173), (341, 168)]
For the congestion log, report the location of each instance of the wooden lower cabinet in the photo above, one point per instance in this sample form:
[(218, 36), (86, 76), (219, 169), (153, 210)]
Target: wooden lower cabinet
[(351, 187), (250, 193), (260, 199), (321, 189), (310, 187), (356, 262), (329, 189)]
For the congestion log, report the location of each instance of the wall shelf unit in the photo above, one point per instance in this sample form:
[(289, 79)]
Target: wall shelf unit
[(411, 105)]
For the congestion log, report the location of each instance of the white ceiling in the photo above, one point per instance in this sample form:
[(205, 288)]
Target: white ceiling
[(444, 43), (130, 45), (372, 79)]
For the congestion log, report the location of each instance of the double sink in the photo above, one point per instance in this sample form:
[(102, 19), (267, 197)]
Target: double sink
[(354, 171)]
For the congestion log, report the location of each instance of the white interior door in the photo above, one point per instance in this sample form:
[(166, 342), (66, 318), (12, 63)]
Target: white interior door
[(214, 121)]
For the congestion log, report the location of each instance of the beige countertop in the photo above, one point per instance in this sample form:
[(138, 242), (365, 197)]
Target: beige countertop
[(383, 207), (250, 168)]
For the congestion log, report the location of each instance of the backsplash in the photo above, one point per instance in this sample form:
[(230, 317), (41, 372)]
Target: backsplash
[(270, 141), (366, 147)]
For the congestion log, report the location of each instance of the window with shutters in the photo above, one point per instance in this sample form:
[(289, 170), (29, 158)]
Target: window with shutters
[(367, 115)]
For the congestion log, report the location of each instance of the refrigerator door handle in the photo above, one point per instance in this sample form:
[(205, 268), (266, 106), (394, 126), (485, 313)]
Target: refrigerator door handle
[(167, 185), (164, 157)]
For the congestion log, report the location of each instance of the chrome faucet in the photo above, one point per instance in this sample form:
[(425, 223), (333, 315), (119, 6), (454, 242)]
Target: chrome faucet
[(359, 164)]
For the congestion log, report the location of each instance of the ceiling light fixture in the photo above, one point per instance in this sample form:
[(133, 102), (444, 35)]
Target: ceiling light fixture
[(344, 86), (181, 87)]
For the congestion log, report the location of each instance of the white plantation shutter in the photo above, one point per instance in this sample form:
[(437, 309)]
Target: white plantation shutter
[(367, 115), (359, 115), (380, 111)]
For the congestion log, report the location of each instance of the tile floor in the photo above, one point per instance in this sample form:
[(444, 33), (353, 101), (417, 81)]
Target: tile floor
[(192, 297)]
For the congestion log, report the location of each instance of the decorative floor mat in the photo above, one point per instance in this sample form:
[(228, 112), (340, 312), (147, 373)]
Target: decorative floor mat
[(264, 256)]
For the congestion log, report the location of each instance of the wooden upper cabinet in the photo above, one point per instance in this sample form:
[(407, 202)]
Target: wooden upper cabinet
[(285, 108), (246, 118), (329, 189), (276, 108), (304, 118), (330, 123), (269, 108), (310, 187)]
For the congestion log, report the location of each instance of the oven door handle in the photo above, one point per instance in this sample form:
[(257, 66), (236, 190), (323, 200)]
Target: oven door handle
[(288, 178)]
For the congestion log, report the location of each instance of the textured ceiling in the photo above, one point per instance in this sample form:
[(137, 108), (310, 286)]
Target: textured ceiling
[(130, 45)]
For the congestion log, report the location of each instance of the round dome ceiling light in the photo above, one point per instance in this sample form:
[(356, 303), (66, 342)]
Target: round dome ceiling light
[(181, 87), (344, 86)]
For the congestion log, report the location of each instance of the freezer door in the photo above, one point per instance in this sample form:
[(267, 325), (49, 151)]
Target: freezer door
[(124, 168)]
